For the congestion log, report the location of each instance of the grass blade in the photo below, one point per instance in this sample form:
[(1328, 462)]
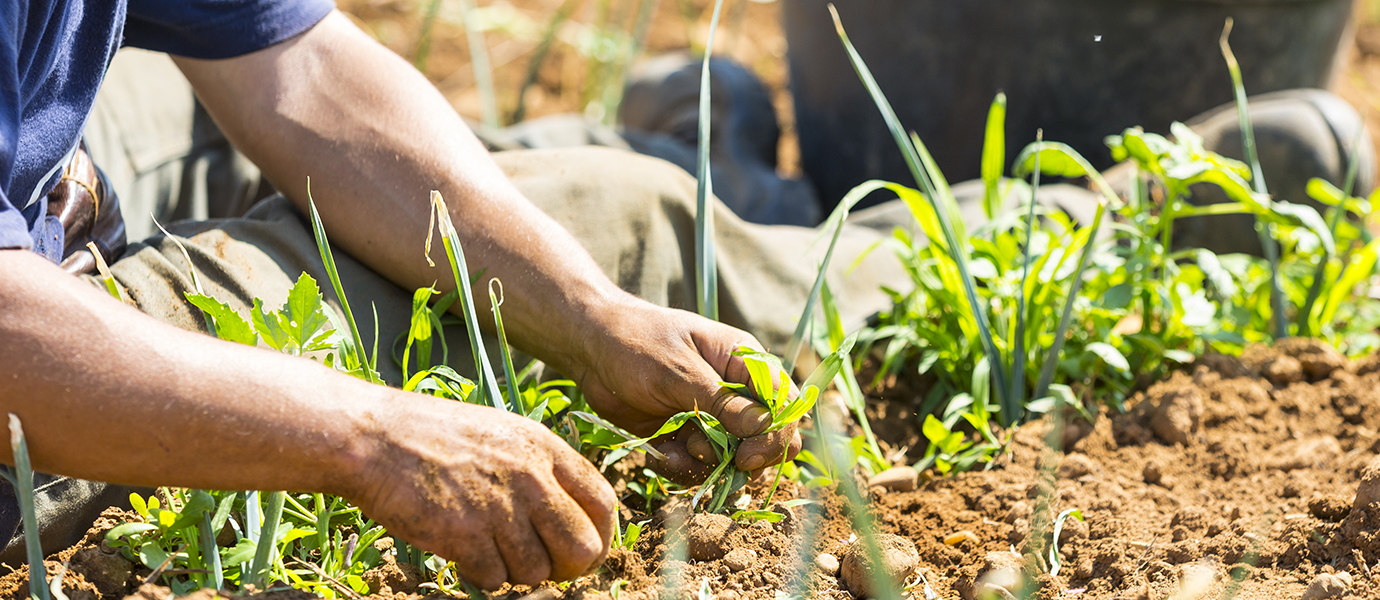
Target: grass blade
[(211, 554), (22, 476), (548, 36), (106, 276), (706, 265), (479, 61), (488, 383), (1061, 160), (268, 539), (1314, 290), (836, 220), (1267, 242), (937, 193), (509, 374), (323, 245), (994, 155), (1018, 344)]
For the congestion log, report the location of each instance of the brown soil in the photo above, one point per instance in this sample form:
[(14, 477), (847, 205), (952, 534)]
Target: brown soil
[(1257, 475)]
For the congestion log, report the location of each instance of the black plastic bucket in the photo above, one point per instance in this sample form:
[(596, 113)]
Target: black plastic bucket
[(1080, 69)]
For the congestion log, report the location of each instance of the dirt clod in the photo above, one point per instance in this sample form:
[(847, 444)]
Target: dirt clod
[(709, 536), (1317, 359), (1326, 585), (1076, 465), (739, 559), (1329, 508), (1178, 410), (1001, 569), (827, 563), (1304, 454), (1368, 491), (897, 479), (898, 560)]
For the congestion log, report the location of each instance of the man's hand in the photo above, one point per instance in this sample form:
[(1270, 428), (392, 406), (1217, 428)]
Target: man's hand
[(647, 363), (497, 493)]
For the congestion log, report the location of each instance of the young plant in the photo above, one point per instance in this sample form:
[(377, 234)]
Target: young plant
[(21, 478)]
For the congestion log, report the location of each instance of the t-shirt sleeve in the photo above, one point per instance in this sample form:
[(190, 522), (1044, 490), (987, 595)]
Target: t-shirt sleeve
[(14, 228), (218, 28)]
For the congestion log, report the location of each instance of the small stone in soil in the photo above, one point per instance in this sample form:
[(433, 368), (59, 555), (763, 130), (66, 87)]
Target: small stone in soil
[(898, 557), (1076, 465), (1151, 473), (708, 533), (1368, 492), (1326, 585), (739, 559), (827, 563), (1002, 569), (897, 479), (1019, 510), (1329, 508)]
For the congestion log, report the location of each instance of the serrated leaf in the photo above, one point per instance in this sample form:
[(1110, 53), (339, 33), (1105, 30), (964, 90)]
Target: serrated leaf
[(230, 326), (306, 312), (269, 325)]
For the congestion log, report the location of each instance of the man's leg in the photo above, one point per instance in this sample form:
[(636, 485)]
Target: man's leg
[(161, 151)]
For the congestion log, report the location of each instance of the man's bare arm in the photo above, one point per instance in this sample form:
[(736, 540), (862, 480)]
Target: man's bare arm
[(107, 393), (375, 137)]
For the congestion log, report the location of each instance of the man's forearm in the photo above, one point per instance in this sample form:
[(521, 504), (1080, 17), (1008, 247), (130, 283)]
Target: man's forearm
[(375, 137), (89, 377)]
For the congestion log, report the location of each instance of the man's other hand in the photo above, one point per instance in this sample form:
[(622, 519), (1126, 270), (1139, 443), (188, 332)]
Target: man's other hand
[(498, 494), (650, 362)]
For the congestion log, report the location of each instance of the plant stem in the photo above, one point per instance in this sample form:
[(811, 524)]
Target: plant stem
[(1267, 241), (1306, 314), (706, 265)]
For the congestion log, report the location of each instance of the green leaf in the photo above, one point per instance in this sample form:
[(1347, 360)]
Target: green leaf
[(763, 376), (127, 530), (270, 326), (306, 313), (152, 555), (1054, 544), (1110, 355), (230, 326), (934, 430), (241, 553), (796, 409), (195, 510), (994, 154), (769, 516)]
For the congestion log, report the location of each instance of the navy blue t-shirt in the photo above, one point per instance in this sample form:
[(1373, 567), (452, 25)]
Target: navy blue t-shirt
[(53, 55)]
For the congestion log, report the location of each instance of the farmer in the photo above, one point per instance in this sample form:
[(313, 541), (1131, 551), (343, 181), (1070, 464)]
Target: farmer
[(134, 394)]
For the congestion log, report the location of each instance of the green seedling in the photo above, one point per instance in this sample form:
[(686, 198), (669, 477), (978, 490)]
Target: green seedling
[(1267, 241), (440, 215), (706, 265), (21, 478), (1054, 562)]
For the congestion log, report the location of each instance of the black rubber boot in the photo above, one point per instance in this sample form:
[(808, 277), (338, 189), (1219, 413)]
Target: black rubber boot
[(660, 117), (1300, 134)]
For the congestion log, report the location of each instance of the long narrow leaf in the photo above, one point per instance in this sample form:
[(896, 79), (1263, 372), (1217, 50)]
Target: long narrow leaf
[(23, 480), (488, 385), (323, 245), (835, 220), (1353, 165), (268, 538), (1267, 242), (1018, 344), (994, 155), (509, 375), (706, 265), (937, 192)]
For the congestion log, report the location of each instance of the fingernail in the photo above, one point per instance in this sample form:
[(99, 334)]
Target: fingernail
[(756, 419), (754, 462)]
